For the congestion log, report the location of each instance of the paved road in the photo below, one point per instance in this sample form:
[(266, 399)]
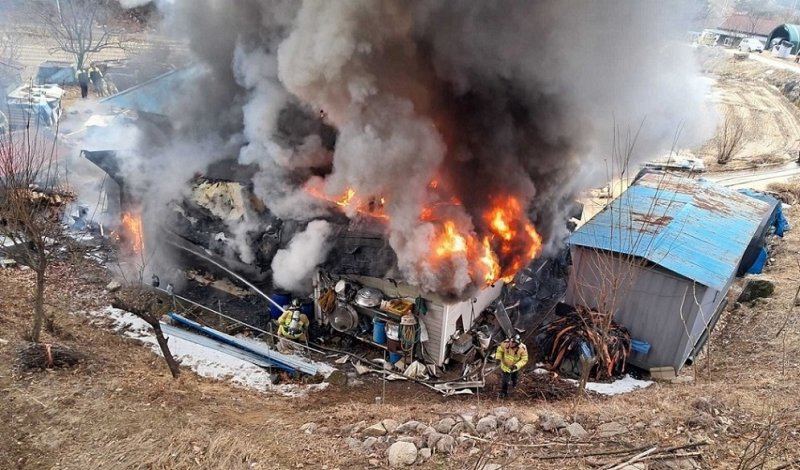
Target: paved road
[(756, 179)]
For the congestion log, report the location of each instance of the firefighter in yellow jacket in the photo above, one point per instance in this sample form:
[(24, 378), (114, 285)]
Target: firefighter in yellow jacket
[(292, 325), (513, 355)]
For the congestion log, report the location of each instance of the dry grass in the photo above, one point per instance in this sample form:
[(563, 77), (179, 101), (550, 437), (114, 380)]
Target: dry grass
[(121, 409), (787, 191)]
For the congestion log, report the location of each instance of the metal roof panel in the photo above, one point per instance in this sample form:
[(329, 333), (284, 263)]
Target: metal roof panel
[(694, 228)]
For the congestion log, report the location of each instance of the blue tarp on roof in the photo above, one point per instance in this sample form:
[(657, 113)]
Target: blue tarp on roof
[(777, 219), (694, 228), (155, 95)]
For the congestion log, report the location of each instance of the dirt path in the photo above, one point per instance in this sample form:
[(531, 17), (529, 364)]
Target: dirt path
[(772, 132)]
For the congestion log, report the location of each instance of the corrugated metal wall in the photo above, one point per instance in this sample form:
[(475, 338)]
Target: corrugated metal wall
[(434, 320), (441, 319), (656, 305)]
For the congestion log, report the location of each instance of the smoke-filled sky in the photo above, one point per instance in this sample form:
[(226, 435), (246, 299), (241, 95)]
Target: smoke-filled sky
[(443, 104)]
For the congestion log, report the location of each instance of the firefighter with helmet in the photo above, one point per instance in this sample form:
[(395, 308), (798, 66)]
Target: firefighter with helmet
[(292, 325), (512, 355)]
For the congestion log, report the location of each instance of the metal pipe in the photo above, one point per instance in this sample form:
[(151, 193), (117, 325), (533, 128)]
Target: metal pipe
[(243, 280), (176, 296)]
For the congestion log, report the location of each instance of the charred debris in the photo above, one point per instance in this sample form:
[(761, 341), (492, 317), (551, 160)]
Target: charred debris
[(357, 308)]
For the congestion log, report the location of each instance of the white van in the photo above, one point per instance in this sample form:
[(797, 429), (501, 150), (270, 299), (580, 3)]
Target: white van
[(751, 45)]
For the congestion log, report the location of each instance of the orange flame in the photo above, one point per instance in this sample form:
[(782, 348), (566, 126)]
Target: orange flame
[(489, 259), (132, 226), (450, 241), (505, 242), (347, 198)]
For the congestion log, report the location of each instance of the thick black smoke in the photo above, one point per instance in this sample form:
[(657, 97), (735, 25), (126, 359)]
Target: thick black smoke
[(487, 99)]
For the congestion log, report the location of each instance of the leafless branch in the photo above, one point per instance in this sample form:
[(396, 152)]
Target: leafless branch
[(79, 27), (730, 138)]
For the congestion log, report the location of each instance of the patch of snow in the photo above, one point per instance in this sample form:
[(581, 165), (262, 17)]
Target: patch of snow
[(202, 360), (78, 236), (617, 387)]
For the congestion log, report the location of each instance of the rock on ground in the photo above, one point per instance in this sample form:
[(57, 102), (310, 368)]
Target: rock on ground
[(486, 425), (309, 428), (502, 413), (459, 428), (408, 427), (445, 425), (402, 454), (576, 430), (425, 454), (353, 443), (433, 438), (368, 443), (446, 444), (390, 425), (511, 424), (611, 429), (376, 430), (529, 429), (553, 421)]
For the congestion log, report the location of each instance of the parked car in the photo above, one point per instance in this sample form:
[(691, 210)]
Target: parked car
[(751, 45)]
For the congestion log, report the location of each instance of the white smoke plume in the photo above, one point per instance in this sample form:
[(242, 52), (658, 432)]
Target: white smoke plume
[(444, 104), (293, 266)]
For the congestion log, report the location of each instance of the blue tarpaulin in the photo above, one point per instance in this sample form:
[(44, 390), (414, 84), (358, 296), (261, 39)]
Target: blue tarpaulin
[(775, 222), (758, 265)]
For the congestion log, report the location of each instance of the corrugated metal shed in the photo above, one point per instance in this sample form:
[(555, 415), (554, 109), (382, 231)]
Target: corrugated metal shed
[(694, 228), (153, 96)]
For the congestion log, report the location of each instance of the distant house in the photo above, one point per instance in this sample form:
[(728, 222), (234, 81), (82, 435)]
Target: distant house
[(662, 257), (740, 25)]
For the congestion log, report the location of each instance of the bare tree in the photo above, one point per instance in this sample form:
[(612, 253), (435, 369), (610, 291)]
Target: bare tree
[(31, 207), (150, 308), (730, 138), (80, 27), (10, 46)]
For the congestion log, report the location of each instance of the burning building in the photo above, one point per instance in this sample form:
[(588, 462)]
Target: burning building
[(439, 144)]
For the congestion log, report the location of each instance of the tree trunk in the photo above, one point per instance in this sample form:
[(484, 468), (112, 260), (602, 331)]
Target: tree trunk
[(38, 304), (162, 343)]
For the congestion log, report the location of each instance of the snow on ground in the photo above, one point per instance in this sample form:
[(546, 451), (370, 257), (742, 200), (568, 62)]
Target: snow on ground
[(623, 385), (205, 361)]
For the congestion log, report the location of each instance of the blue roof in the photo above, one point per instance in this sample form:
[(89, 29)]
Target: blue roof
[(694, 228), (154, 95)]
